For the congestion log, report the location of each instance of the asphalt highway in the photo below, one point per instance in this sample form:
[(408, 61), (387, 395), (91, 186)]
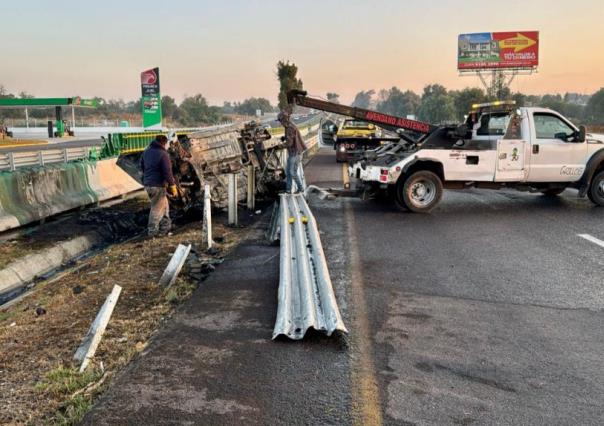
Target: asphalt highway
[(489, 310)]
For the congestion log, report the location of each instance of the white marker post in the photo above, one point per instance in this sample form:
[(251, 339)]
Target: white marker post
[(175, 265), (90, 343), (207, 217), (232, 190)]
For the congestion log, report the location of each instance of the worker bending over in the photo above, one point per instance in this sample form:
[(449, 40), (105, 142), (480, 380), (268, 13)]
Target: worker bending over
[(158, 181), (295, 149)]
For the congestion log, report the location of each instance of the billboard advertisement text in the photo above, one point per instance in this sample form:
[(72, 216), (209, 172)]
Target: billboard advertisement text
[(504, 50)]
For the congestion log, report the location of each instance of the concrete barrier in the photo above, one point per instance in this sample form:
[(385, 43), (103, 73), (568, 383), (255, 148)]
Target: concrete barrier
[(33, 194), (24, 270)]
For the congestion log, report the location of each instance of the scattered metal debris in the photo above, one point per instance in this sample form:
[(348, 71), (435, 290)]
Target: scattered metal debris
[(323, 193)]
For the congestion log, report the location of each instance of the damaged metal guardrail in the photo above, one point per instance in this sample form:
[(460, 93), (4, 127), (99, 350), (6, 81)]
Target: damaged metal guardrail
[(306, 297)]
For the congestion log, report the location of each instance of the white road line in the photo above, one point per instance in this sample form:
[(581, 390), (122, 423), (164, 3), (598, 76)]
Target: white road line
[(592, 239)]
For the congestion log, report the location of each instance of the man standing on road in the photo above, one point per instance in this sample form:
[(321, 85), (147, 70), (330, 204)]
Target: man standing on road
[(295, 148), (158, 181)]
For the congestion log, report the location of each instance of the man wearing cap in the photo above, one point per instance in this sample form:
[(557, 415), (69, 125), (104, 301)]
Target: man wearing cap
[(295, 148), (158, 181)]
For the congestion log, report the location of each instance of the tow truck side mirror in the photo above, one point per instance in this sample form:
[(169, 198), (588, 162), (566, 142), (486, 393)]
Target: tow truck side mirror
[(581, 135)]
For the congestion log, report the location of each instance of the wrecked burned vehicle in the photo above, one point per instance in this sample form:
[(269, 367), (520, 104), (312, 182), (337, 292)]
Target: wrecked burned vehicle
[(209, 156)]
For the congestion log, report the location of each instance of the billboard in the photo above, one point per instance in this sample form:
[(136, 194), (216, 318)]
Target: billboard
[(151, 98), (479, 51)]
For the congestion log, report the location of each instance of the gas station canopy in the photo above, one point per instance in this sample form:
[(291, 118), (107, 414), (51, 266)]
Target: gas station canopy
[(46, 102)]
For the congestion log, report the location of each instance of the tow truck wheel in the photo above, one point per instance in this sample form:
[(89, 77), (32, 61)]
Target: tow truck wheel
[(420, 192), (596, 189)]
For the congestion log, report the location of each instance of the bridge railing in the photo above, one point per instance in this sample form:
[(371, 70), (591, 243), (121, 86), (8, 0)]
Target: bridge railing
[(10, 161)]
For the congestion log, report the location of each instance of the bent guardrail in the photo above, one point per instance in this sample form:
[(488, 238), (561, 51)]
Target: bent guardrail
[(306, 298)]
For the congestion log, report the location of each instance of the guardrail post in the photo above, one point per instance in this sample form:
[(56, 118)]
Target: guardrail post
[(207, 217), (232, 192), (65, 156), (40, 158), (251, 187), (11, 161)]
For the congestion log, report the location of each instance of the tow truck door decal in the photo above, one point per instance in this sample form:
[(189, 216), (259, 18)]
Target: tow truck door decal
[(510, 160)]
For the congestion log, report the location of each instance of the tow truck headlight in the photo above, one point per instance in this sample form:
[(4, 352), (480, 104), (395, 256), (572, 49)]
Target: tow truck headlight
[(342, 148)]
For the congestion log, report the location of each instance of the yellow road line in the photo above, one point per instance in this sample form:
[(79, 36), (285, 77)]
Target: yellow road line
[(15, 143), (366, 404)]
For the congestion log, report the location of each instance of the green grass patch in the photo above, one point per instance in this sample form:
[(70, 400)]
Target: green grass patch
[(73, 411), (172, 296), (5, 315), (65, 381)]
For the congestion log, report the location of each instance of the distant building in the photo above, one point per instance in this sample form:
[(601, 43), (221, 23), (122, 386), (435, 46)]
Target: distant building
[(478, 49)]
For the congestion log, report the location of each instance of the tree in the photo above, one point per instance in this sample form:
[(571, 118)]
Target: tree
[(396, 102), (333, 97), (168, 106), (436, 105), (251, 105), (228, 108), (464, 99), (363, 99), (195, 111), (594, 110), (520, 99), (288, 80)]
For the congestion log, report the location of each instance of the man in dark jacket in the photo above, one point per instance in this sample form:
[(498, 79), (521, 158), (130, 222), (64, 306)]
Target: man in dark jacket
[(295, 149), (158, 181)]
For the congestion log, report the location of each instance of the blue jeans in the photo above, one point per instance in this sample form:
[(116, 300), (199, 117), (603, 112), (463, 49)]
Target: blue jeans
[(292, 172)]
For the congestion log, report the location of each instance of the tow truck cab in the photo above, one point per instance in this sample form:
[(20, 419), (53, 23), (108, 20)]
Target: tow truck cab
[(533, 149)]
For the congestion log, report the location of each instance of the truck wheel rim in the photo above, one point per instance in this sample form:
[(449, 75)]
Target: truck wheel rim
[(422, 193), (601, 188)]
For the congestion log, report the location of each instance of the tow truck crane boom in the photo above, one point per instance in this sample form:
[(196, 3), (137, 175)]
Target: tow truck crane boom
[(391, 122)]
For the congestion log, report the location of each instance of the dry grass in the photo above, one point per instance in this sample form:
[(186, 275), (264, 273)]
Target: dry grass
[(38, 380)]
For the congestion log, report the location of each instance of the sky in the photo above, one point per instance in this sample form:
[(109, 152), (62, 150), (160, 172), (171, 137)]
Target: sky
[(228, 50)]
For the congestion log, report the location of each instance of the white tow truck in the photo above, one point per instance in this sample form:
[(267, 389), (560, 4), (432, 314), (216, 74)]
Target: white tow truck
[(529, 149), (499, 146)]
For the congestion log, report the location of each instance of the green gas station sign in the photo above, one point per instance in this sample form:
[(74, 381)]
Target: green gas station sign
[(151, 98)]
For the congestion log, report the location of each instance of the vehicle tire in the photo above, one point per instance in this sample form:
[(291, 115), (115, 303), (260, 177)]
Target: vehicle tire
[(596, 189), (553, 192), (420, 192)]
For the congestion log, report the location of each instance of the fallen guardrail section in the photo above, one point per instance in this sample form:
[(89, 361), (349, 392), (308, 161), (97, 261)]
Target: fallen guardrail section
[(306, 298)]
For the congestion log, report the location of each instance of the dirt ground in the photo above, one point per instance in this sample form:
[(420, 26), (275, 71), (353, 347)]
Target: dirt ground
[(39, 335)]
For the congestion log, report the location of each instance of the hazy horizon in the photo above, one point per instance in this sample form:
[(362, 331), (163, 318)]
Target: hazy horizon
[(228, 51)]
